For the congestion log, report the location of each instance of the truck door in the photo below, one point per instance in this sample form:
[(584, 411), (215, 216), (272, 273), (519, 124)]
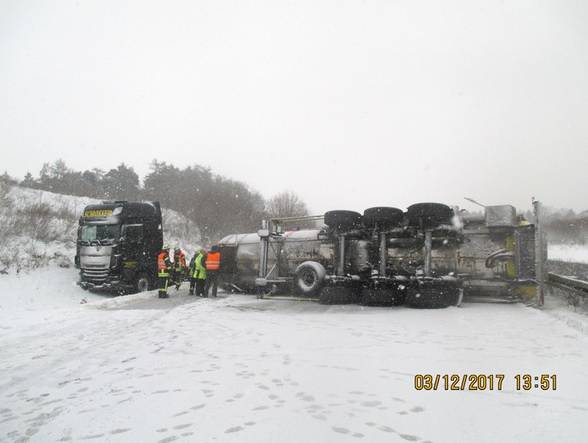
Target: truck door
[(133, 250)]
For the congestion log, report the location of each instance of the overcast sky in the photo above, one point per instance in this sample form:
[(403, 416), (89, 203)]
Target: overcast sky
[(350, 104)]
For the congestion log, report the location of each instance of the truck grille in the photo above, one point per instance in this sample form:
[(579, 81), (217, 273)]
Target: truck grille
[(95, 275)]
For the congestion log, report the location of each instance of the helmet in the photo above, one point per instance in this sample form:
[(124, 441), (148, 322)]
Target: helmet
[(165, 247)]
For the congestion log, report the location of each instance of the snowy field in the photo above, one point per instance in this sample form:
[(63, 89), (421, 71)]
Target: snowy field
[(237, 369), (568, 253)]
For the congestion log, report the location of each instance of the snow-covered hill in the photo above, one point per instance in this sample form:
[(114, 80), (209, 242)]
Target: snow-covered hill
[(38, 228)]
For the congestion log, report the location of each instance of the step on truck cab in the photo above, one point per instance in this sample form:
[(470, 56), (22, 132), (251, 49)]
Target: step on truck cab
[(117, 246)]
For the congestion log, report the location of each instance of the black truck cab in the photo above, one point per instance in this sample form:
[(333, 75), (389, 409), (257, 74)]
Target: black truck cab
[(117, 246)]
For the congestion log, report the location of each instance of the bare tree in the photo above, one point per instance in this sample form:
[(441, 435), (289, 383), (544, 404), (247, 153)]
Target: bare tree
[(286, 204)]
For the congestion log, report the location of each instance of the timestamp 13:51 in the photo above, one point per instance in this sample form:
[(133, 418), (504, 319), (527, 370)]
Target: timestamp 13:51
[(527, 382)]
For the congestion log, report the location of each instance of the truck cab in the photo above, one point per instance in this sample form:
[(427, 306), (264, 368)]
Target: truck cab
[(117, 246)]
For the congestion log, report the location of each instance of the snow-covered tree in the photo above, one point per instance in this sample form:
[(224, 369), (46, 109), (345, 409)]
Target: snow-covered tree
[(286, 204)]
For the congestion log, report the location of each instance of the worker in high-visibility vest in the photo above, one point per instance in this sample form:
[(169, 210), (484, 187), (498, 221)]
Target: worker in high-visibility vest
[(198, 274), (163, 269), (212, 269), (179, 267)]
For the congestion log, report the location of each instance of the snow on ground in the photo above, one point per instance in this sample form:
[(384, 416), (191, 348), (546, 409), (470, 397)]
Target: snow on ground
[(137, 368), (568, 253)]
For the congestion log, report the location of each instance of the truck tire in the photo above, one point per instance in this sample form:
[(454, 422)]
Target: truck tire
[(383, 216), (142, 283), (337, 295), (310, 278), (429, 215), (342, 220), (382, 297), (432, 297)]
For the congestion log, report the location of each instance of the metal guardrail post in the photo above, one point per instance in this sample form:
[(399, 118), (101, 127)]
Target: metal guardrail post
[(539, 258)]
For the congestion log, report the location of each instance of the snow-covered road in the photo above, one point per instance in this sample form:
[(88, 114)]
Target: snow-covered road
[(235, 368)]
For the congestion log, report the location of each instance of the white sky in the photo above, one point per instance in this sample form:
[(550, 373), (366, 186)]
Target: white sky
[(350, 104)]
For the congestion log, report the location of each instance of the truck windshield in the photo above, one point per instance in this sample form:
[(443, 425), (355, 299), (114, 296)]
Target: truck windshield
[(101, 234)]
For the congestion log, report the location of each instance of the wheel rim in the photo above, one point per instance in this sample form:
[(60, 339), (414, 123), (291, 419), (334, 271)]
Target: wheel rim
[(308, 279)]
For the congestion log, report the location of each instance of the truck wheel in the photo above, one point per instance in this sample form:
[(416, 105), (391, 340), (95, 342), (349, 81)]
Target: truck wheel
[(383, 216), (338, 295), (429, 215), (310, 277), (431, 297), (381, 297), (342, 220), (142, 284)]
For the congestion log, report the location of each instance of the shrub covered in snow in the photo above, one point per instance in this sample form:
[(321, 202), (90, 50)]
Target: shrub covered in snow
[(38, 228)]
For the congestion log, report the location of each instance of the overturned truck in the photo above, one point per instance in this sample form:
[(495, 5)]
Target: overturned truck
[(429, 256)]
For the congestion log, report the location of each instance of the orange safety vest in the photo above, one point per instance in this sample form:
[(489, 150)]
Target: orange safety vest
[(161, 262), (180, 261), (213, 261)]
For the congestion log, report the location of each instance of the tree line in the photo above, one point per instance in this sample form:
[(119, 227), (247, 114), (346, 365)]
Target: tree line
[(217, 204)]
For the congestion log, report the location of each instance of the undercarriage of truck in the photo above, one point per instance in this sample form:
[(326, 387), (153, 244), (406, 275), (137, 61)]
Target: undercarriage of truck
[(429, 256)]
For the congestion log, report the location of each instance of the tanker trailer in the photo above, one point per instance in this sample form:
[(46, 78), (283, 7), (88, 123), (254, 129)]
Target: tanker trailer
[(344, 262), (428, 257)]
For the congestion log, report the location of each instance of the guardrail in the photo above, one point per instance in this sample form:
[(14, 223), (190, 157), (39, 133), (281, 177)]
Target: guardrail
[(569, 283)]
